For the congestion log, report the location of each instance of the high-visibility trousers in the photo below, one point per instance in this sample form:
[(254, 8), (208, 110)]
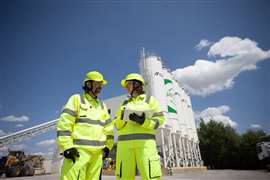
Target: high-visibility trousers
[(137, 153), (86, 167)]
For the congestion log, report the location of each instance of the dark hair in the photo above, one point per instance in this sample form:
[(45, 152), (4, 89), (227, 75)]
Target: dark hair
[(84, 87)]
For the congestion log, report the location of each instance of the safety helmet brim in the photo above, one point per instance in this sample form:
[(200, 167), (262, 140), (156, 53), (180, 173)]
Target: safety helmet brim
[(132, 76)]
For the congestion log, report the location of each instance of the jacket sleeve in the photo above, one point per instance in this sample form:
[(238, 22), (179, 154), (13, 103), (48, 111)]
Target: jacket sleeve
[(108, 129), (158, 117), (66, 122)]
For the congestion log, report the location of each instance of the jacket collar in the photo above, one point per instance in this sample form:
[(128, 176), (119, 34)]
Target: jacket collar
[(138, 98), (90, 99)]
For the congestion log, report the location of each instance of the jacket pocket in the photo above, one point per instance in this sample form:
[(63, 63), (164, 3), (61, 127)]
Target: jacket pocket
[(154, 168)]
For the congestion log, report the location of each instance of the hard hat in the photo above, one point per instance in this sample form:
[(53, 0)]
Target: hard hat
[(95, 76), (132, 76)]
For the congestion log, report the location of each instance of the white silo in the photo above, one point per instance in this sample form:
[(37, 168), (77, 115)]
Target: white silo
[(172, 108), (187, 114), (185, 120), (193, 124), (177, 138)]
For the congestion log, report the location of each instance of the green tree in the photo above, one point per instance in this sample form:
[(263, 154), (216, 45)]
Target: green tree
[(219, 145), (223, 148), (248, 154)]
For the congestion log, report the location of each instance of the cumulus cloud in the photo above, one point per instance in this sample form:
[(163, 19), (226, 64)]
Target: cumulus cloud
[(216, 114), (2, 133), (13, 118), (202, 44), (255, 126), (46, 142), (206, 77)]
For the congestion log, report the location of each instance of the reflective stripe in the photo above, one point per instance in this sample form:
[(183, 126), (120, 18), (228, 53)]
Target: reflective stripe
[(136, 137), (147, 99), (108, 121), (110, 137), (89, 121), (69, 111), (158, 114), (63, 133), (157, 123), (88, 142), (82, 99)]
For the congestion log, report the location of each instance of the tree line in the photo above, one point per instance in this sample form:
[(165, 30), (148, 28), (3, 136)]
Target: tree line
[(223, 148)]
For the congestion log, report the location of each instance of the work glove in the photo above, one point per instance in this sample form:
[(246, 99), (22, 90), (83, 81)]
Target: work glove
[(136, 118), (106, 152), (71, 153)]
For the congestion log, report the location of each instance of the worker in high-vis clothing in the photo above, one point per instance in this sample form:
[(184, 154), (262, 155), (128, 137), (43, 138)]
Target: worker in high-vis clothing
[(85, 131), (136, 146)]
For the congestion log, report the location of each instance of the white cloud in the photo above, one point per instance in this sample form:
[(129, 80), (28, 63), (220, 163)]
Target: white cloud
[(46, 142), (13, 118), (18, 147), (255, 126), (216, 114), (206, 77), (202, 44), (2, 133), (234, 46), (19, 125)]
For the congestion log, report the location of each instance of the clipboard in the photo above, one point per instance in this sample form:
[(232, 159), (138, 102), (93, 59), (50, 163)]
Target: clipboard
[(148, 113)]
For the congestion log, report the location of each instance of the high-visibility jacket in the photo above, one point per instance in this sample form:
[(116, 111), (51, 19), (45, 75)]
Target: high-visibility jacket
[(130, 130), (136, 146), (85, 123)]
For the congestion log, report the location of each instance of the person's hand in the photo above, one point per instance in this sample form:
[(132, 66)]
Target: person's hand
[(136, 118), (71, 153)]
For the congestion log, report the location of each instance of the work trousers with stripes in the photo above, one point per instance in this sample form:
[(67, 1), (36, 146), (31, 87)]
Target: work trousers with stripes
[(137, 153)]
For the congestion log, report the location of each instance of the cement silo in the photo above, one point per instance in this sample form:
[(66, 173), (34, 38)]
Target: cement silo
[(177, 139)]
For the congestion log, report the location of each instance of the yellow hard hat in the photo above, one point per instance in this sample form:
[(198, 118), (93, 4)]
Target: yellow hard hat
[(132, 76), (95, 76)]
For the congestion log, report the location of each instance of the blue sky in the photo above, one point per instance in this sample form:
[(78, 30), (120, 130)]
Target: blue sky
[(47, 47)]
